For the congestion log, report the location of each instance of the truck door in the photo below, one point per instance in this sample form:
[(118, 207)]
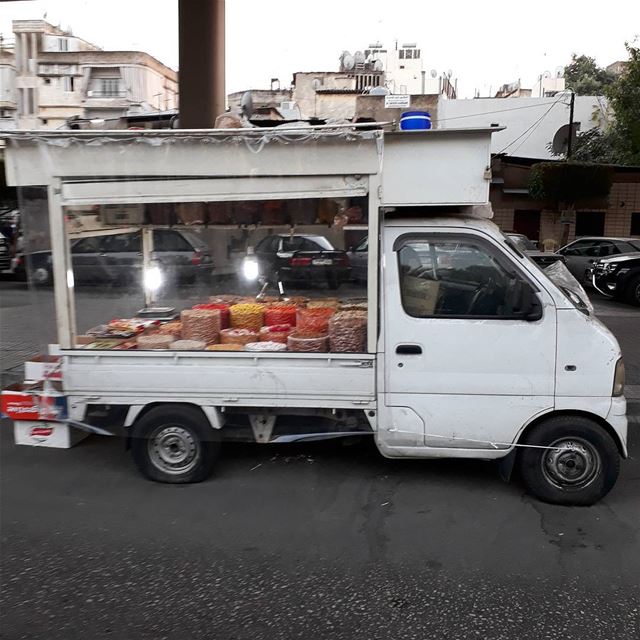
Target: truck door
[(461, 369)]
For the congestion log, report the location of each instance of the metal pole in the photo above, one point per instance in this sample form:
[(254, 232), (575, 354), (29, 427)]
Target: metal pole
[(570, 140), (202, 60)]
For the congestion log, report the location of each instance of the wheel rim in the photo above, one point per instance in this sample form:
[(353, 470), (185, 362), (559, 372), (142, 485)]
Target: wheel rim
[(637, 292), (173, 449), (40, 275), (571, 463)]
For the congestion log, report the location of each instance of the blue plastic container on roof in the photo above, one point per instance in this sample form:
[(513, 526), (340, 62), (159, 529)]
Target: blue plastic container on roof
[(412, 120)]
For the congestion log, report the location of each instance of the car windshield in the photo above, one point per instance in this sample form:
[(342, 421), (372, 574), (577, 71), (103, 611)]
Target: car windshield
[(522, 242)]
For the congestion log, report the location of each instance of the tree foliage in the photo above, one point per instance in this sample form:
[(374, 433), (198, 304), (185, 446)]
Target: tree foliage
[(619, 143), (585, 77), (569, 182)]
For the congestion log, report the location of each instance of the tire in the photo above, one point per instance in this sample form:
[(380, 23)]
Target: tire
[(632, 291), (41, 277), (175, 444), (578, 477)]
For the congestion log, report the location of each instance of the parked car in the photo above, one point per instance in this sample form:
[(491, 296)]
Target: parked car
[(118, 258), (5, 254), (301, 259), (583, 253), (618, 277), (359, 259), (530, 248)]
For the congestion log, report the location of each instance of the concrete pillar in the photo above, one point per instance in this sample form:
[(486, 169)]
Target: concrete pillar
[(201, 75)]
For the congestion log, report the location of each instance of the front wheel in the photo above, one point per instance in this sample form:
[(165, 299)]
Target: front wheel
[(632, 291), (570, 460), (175, 444)]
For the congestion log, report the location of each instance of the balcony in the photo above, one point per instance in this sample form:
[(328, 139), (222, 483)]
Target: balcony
[(109, 93)]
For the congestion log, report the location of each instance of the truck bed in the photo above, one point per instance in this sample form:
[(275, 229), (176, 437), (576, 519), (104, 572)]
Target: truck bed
[(235, 379)]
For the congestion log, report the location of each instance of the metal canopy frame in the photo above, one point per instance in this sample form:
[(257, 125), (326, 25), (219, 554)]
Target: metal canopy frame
[(322, 176)]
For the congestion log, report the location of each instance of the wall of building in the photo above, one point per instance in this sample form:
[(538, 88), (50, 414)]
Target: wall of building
[(531, 123), (369, 106), (314, 102)]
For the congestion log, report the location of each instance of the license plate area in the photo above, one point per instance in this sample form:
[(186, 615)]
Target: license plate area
[(322, 262)]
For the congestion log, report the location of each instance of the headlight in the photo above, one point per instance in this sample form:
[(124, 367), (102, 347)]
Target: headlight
[(609, 267), (618, 379)]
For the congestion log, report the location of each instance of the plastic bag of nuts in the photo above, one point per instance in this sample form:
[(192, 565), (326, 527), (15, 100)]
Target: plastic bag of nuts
[(238, 336), (247, 316), (275, 333), (201, 324), (315, 320), (348, 332), (173, 328), (154, 341), (308, 342), (265, 346), (188, 345)]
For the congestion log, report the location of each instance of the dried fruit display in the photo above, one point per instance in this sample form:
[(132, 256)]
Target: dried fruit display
[(348, 332), (315, 320), (154, 341), (201, 324), (220, 306), (280, 315), (275, 333), (238, 336), (225, 347), (188, 345), (247, 316), (308, 342), (265, 346)]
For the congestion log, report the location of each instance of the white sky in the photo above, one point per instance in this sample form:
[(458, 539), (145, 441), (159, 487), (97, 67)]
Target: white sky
[(486, 44)]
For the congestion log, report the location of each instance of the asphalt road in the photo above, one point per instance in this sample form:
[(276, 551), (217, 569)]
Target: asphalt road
[(314, 541)]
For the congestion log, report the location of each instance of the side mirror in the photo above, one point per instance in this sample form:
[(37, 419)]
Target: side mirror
[(530, 306)]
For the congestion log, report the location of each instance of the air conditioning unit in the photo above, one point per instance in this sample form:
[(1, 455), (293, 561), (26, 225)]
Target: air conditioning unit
[(289, 105), (122, 214)]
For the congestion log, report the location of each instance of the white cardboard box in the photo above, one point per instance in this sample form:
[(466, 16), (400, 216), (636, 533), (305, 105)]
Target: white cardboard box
[(56, 435)]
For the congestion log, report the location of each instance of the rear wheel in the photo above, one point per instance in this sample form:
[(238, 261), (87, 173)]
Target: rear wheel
[(175, 444), (570, 460), (41, 276), (632, 291)]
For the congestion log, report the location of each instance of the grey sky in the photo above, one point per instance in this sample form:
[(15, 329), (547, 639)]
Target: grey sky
[(485, 44)]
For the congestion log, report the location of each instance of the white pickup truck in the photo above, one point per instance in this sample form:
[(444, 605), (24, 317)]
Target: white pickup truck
[(471, 351)]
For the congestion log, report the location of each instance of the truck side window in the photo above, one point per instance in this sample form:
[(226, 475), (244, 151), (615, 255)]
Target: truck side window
[(458, 277)]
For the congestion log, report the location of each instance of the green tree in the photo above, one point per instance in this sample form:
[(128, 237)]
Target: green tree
[(624, 95), (585, 77)]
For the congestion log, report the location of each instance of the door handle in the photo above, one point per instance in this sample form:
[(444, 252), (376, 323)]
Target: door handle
[(408, 349)]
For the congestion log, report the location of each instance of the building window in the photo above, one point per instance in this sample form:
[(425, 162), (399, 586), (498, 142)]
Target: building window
[(401, 54), (68, 83), (63, 44), (635, 223), (590, 223), (109, 87)]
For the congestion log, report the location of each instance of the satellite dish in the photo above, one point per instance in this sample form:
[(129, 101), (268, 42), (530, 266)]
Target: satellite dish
[(559, 72), (347, 61), (449, 73), (379, 91), (433, 73), (378, 65), (246, 105), (546, 74), (358, 56)]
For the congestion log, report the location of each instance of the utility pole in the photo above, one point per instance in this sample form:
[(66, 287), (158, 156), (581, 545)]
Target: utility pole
[(201, 74), (570, 140)]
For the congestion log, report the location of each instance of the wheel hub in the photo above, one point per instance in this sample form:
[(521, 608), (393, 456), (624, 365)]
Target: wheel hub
[(173, 449), (571, 463)]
